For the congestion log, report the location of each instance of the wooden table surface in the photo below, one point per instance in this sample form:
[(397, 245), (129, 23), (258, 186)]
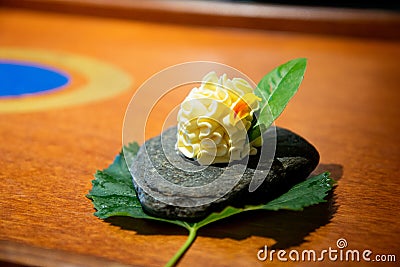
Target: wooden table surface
[(347, 107)]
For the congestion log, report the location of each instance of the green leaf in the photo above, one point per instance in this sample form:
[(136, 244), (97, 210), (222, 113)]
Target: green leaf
[(276, 89), (216, 216), (119, 168), (113, 194), (304, 194)]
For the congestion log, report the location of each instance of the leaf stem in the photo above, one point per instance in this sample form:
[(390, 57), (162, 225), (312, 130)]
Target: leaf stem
[(189, 241)]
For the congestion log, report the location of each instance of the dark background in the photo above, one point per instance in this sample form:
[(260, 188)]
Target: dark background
[(366, 4)]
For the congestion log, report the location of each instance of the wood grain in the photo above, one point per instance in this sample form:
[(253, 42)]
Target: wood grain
[(347, 107)]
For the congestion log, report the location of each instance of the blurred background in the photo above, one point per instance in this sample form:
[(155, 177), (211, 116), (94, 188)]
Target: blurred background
[(354, 18), (374, 4)]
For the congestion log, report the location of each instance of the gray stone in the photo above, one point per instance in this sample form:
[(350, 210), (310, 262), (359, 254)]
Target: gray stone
[(171, 186)]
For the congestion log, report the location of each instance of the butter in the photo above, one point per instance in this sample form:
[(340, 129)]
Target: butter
[(214, 118)]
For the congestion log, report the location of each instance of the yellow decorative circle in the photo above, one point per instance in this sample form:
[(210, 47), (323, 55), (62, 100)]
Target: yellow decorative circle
[(102, 80)]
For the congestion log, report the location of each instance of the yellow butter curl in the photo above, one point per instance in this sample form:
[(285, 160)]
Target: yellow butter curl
[(214, 118)]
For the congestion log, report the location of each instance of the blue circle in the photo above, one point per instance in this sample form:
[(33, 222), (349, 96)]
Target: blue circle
[(21, 78)]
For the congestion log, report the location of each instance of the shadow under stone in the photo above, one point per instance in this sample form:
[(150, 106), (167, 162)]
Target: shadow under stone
[(288, 228), (336, 170), (146, 227)]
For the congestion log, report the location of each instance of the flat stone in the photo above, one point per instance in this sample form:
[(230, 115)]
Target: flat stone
[(171, 186)]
